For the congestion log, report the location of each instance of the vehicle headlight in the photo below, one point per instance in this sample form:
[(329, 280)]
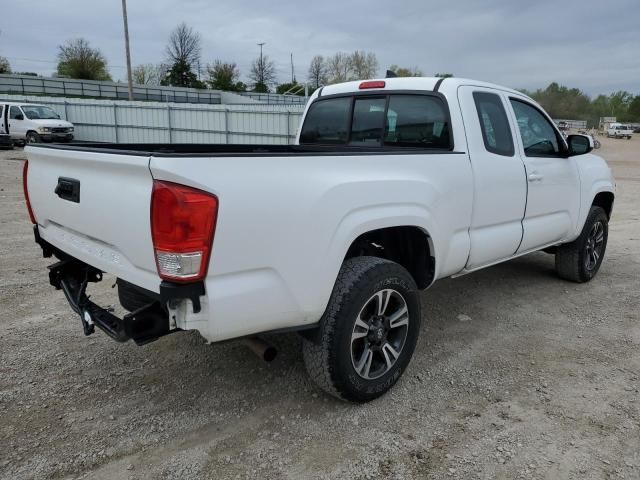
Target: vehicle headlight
[(44, 129), (70, 129)]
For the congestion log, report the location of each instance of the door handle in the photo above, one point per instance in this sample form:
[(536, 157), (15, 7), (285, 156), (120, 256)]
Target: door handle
[(535, 177)]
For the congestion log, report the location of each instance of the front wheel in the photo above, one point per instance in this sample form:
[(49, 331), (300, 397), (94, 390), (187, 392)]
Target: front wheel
[(368, 332), (33, 137), (580, 260)]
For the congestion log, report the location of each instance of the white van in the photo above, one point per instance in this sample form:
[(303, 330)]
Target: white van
[(33, 123)]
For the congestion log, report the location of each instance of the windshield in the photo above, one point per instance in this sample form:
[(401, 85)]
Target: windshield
[(39, 112)]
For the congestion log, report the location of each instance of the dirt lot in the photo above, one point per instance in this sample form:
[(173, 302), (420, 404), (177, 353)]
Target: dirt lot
[(543, 381)]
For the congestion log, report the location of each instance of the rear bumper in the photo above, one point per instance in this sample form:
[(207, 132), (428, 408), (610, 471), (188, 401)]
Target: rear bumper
[(143, 325)]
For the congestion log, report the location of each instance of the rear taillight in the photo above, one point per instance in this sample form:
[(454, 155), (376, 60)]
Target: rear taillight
[(183, 223), (25, 172)]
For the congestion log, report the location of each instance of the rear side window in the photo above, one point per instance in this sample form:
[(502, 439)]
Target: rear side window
[(417, 121), (494, 125), (327, 122), (400, 120)]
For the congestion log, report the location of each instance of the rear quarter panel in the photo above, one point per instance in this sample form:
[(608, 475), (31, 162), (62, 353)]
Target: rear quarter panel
[(285, 224)]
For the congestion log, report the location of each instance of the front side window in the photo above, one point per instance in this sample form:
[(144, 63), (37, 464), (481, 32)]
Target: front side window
[(39, 112), (538, 135), (395, 120), (14, 112), (494, 125)]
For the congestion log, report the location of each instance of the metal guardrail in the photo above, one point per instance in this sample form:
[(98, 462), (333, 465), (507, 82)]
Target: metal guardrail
[(28, 85)]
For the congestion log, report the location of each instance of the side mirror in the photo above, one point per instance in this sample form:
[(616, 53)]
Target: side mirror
[(20, 117), (579, 144)]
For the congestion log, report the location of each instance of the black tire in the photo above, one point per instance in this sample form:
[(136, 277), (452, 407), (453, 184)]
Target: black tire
[(33, 137), (331, 361), (576, 261)]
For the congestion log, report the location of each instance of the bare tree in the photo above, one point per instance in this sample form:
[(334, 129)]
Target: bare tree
[(77, 59), (185, 46), (338, 67), (262, 73), (363, 65), (146, 74), (318, 72), (406, 72)]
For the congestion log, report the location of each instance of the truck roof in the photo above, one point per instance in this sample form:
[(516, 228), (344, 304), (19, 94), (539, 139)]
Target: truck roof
[(447, 85)]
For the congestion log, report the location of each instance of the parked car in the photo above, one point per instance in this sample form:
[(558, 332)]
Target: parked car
[(618, 130), (392, 185), (32, 123)]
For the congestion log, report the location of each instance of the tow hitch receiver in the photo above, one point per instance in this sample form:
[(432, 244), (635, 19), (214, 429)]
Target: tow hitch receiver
[(143, 325)]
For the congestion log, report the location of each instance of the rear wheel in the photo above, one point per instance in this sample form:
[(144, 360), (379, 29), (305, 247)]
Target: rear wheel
[(33, 137), (368, 332), (580, 260)]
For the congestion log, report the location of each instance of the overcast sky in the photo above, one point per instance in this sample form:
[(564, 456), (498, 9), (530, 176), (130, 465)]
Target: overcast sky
[(522, 44)]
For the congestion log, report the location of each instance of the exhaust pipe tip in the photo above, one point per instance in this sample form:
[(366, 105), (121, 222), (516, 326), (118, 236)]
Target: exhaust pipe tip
[(264, 350)]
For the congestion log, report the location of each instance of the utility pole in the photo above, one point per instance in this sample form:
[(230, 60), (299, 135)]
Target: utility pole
[(293, 73), (126, 45), (261, 64)]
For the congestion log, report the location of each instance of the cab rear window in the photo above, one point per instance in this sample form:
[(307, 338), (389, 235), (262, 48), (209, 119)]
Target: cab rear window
[(395, 120)]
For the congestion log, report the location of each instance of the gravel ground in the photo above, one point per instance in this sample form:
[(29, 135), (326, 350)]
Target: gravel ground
[(517, 374)]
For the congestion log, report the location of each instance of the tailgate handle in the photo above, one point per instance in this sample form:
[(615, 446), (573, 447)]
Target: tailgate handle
[(68, 189)]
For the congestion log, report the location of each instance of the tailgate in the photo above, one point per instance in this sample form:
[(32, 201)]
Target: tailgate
[(109, 226)]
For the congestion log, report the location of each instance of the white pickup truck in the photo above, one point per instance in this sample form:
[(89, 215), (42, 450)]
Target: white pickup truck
[(391, 185), (618, 130)]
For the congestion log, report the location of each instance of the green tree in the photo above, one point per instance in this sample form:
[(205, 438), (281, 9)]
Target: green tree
[(633, 112), (406, 72), (181, 75), (225, 76), (5, 67), (77, 59), (619, 103), (443, 75), (295, 87), (183, 55)]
